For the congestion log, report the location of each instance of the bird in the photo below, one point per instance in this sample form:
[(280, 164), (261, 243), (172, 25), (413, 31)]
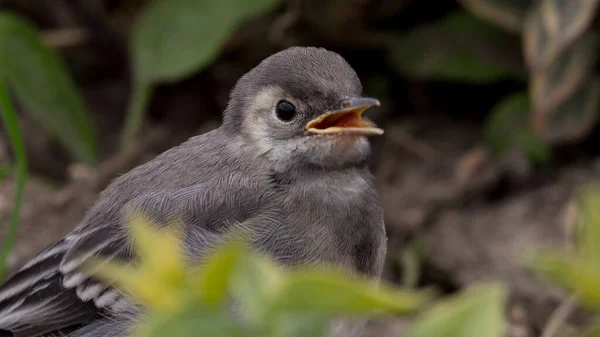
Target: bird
[(288, 165)]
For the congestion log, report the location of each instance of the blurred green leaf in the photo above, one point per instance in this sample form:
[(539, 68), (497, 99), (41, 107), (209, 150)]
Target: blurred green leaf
[(576, 273), (509, 14), (42, 84), (476, 312), (588, 229), (216, 273), (507, 127), (320, 291), (458, 47), (11, 125), (255, 285), (5, 169), (410, 261), (411, 267), (175, 38), (300, 325), (263, 297), (193, 321)]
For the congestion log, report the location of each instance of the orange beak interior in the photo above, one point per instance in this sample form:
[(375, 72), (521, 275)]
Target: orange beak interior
[(343, 121)]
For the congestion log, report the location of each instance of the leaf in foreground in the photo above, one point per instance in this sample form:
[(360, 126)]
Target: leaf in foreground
[(267, 295), (588, 229), (193, 321), (575, 273), (476, 312), (328, 292), (161, 266)]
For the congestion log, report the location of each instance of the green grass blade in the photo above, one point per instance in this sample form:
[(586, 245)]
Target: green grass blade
[(9, 118)]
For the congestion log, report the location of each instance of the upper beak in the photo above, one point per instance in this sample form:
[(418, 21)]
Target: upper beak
[(348, 119)]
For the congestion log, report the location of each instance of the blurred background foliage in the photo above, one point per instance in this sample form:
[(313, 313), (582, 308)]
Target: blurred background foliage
[(549, 48), (523, 71)]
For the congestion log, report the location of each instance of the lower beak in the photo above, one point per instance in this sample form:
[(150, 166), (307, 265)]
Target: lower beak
[(347, 120)]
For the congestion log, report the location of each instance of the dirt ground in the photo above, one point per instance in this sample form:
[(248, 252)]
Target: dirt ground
[(474, 215)]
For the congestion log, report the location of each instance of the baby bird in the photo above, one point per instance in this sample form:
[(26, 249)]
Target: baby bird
[(287, 165)]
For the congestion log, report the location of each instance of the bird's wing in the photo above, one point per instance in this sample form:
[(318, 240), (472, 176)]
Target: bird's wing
[(51, 293), (34, 301)]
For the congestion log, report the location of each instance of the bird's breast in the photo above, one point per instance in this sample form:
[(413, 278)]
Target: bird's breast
[(335, 220)]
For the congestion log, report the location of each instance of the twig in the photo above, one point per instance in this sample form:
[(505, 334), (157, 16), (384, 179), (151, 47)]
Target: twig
[(9, 118), (559, 316), (64, 38)]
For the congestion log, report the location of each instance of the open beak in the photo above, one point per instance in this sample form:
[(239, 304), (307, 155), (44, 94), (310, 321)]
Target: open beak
[(347, 120)]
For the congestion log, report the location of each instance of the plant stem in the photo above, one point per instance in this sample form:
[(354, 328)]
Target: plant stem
[(135, 113), (9, 118)]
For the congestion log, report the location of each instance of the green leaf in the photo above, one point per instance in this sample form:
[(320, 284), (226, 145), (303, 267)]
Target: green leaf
[(588, 231), (255, 285), (193, 321), (5, 169), (176, 38), (216, 273), (11, 124), (458, 47), (578, 274), (507, 127), (300, 325), (43, 86), (476, 312), (332, 293)]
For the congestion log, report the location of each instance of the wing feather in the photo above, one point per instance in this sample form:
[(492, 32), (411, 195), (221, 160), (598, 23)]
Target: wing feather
[(51, 295)]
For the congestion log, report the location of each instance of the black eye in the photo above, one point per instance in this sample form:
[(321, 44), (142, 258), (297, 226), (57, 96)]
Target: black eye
[(285, 110)]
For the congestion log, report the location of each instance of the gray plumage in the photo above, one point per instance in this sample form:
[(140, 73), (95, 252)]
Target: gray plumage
[(302, 197)]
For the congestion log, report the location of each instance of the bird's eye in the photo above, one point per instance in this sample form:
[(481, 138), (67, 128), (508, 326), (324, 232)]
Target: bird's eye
[(285, 110)]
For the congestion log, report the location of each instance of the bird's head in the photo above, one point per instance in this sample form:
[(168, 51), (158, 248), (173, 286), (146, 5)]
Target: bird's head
[(303, 106)]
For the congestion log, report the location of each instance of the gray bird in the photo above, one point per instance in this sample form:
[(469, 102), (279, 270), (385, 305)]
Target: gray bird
[(288, 165)]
